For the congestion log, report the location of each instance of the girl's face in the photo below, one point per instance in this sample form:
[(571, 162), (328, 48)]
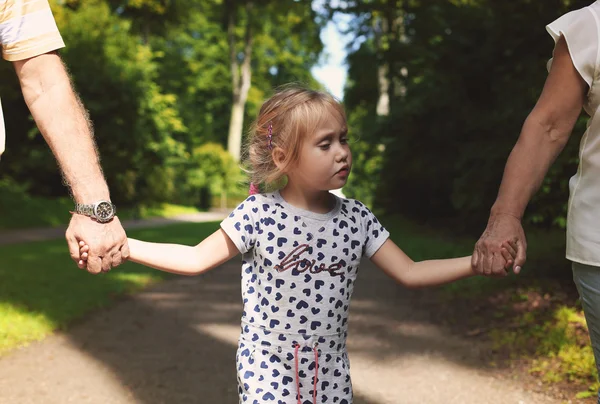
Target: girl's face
[(325, 158)]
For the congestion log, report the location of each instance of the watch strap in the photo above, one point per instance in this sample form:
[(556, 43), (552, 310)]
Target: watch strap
[(84, 209)]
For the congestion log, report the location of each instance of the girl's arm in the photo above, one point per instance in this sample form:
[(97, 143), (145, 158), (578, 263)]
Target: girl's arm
[(392, 260), (181, 259)]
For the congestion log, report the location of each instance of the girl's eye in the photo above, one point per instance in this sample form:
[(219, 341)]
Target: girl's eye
[(344, 140), (324, 147)]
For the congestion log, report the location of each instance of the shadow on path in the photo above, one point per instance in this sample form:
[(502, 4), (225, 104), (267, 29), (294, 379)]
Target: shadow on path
[(176, 342)]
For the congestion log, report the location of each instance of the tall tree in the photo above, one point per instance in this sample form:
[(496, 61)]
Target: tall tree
[(379, 26), (285, 35), (241, 71)]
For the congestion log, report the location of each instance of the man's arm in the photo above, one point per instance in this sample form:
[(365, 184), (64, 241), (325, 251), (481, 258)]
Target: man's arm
[(64, 123), (543, 136)]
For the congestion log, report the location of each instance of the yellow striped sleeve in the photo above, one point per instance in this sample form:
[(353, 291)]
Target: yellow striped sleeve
[(27, 29)]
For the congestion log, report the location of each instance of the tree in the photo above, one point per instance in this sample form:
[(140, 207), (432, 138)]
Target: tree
[(136, 122), (378, 26), (278, 30), (241, 73), (156, 78)]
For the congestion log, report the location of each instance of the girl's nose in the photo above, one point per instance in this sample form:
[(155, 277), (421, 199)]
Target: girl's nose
[(343, 153)]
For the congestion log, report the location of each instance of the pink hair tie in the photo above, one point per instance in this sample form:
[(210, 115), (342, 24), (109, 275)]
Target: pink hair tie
[(253, 189)]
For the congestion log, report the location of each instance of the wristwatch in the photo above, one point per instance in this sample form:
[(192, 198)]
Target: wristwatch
[(102, 211)]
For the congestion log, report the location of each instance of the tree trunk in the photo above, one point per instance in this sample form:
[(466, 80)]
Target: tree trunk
[(240, 83), (383, 84), (383, 70), (236, 126), (398, 86)]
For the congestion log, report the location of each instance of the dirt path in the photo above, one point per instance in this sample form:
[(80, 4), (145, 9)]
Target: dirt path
[(175, 343)]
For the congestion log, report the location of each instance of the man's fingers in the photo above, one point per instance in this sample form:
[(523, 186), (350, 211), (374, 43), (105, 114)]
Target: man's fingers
[(497, 265), (116, 259), (474, 259), (73, 248), (94, 264), (511, 248), (125, 251), (508, 259), (488, 263), (106, 263), (481, 262)]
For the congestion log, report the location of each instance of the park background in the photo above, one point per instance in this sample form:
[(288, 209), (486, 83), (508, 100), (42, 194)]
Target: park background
[(436, 92)]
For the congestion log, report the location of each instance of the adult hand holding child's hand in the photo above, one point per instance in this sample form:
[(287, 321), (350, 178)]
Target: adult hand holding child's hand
[(107, 242), (503, 239)]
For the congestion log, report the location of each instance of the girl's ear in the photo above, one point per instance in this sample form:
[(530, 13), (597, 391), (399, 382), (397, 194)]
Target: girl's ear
[(279, 158)]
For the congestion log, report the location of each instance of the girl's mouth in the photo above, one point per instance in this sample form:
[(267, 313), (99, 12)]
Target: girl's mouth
[(343, 172)]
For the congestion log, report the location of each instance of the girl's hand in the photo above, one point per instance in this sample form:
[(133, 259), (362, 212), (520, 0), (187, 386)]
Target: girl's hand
[(83, 254)]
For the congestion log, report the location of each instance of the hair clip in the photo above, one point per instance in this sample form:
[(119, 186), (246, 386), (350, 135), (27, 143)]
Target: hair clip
[(270, 137)]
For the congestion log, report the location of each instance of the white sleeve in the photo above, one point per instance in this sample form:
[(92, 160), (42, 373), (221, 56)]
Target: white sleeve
[(580, 30), (243, 224)]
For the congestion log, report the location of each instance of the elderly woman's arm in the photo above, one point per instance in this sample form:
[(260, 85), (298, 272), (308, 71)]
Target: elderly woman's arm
[(543, 136)]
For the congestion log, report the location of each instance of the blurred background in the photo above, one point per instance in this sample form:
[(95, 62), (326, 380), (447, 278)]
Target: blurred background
[(436, 92)]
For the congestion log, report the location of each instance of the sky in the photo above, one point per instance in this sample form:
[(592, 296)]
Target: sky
[(332, 70)]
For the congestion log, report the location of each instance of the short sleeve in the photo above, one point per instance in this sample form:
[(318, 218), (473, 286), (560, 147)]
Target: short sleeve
[(242, 224), (580, 30), (28, 29), (374, 232)]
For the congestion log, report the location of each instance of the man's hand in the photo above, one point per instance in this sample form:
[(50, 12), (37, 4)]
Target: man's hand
[(107, 243), (488, 258)]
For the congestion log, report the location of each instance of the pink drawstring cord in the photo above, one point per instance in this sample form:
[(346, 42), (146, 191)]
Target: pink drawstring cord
[(296, 348), (297, 375), (316, 374)]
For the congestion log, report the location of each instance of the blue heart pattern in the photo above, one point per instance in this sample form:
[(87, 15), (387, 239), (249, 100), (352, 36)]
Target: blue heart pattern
[(294, 283)]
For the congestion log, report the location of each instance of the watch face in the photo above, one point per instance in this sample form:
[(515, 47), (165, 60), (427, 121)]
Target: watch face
[(104, 211)]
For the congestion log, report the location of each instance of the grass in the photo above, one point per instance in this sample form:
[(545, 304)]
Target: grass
[(42, 291), (421, 242), (545, 254), (28, 212)]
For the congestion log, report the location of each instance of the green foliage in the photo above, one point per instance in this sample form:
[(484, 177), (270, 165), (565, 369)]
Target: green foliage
[(123, 98), (25, 211), (563, 350), (194, 64), (464, 76), (21, 210), (367, 158), (212, 172), (421, 242), (155, 76)]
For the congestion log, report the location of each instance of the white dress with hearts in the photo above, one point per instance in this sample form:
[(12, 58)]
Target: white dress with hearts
[(298, 273)]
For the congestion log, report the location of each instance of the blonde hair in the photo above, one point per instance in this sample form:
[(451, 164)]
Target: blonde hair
[(294, 112)]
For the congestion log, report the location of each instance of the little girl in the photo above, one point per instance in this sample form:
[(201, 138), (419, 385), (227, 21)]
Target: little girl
[(301, 248)]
